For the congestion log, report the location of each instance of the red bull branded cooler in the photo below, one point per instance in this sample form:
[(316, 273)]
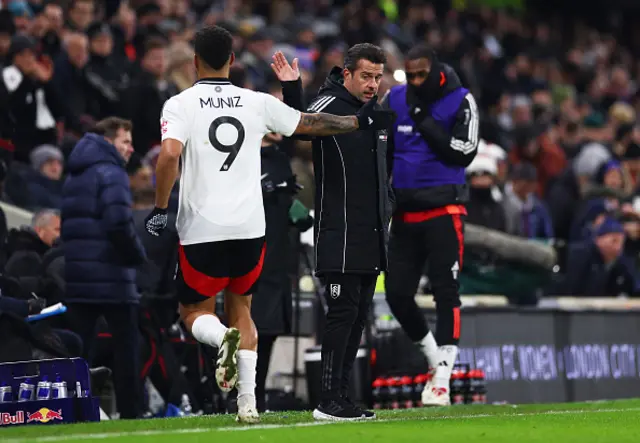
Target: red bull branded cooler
[(46, 392)]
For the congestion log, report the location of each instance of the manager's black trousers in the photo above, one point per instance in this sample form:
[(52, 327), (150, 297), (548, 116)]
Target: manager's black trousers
[(123, 321), (349, 298), (439, 242)]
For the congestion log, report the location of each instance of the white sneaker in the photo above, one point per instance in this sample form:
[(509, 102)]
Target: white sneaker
[(433, 395), (227, 364), (247, 411), (437, 394)]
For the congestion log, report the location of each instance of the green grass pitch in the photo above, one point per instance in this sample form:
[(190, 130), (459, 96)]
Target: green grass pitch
[(610, 421)]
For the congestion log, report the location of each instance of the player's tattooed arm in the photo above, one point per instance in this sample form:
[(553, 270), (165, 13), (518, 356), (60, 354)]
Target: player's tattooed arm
[(322, 124)]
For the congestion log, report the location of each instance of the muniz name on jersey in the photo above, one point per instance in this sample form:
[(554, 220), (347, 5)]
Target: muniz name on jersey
[(221, 102)]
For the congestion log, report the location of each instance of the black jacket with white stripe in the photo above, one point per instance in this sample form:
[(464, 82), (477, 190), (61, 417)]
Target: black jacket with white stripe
[(352, 203)]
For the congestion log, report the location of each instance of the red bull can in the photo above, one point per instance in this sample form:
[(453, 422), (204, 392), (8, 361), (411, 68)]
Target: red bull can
[(6, 394), (43, 392), (59, 389), (26, 391)]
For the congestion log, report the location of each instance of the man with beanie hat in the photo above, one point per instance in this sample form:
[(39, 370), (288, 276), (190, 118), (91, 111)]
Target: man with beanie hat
[(45, 184), (597, 267), (48, 159)]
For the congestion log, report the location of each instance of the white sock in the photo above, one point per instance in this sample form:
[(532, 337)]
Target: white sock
[(207, 329), (429, 348), (247, 361), (447, 356)]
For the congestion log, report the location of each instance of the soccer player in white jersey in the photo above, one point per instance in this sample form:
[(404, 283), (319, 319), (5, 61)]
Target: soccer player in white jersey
[(217, 128)]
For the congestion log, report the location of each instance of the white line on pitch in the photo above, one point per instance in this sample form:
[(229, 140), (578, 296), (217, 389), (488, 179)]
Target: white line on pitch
[(112, 435)]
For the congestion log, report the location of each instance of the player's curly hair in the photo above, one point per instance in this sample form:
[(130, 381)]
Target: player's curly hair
[(213, 45)]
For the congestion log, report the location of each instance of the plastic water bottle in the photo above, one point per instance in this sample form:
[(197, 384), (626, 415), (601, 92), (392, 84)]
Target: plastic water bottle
[(477, 387), (406, 392), (457, 387), (26, 390), (79, 392), (379, 387), (418, 386), (394, 392)]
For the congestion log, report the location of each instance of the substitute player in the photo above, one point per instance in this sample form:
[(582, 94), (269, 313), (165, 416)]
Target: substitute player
[(217, 128), (433, 141)]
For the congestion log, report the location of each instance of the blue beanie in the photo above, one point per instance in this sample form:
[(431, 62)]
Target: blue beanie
[(609, 226)]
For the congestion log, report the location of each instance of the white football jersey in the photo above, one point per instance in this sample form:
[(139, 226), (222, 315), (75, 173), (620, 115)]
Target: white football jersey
[(221, 127)]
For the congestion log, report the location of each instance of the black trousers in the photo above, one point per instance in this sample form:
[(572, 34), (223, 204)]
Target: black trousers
[(439, 242), (123, 321), (349, 298), (265, 348)]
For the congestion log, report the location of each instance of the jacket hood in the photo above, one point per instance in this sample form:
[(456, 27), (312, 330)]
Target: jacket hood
[(91, 150), (25, 239), (335, 85), (442, 80)]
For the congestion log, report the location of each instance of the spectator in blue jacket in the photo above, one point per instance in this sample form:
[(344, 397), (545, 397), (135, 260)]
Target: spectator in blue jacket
[(102, 251), (597, 267), (526, 215)]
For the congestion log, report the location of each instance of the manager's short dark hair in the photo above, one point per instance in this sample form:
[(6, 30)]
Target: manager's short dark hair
[(213, 45), (109, 126), (421, 51), (363, 51)]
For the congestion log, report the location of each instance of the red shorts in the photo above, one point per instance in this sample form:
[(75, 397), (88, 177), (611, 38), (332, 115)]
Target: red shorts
[(205, 269)]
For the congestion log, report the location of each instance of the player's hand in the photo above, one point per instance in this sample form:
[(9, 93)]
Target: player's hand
[(371, 118), (36, 305), (284, 71), (156, 222)]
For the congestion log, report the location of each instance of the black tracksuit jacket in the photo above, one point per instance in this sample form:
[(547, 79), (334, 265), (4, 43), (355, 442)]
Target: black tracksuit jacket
[(352, 196)]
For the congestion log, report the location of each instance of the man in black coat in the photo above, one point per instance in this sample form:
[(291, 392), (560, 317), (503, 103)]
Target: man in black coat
[(351, 226), (27, 247)]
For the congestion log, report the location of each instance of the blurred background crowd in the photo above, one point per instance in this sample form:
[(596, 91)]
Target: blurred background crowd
[(559, 163), (557, 92)]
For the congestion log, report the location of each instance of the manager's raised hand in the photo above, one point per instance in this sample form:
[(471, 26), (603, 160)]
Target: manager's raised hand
[(371, 116)]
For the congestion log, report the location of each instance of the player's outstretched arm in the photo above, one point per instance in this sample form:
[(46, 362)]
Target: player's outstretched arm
[(368, 117), (322, 124)]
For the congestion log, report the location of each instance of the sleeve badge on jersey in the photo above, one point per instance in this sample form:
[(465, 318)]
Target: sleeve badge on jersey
[(165, 126)]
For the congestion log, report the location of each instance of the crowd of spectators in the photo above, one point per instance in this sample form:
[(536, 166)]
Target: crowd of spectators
[(560, 157)]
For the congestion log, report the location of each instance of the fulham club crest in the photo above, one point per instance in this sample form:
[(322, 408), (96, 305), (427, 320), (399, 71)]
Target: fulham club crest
[(335, 291)]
